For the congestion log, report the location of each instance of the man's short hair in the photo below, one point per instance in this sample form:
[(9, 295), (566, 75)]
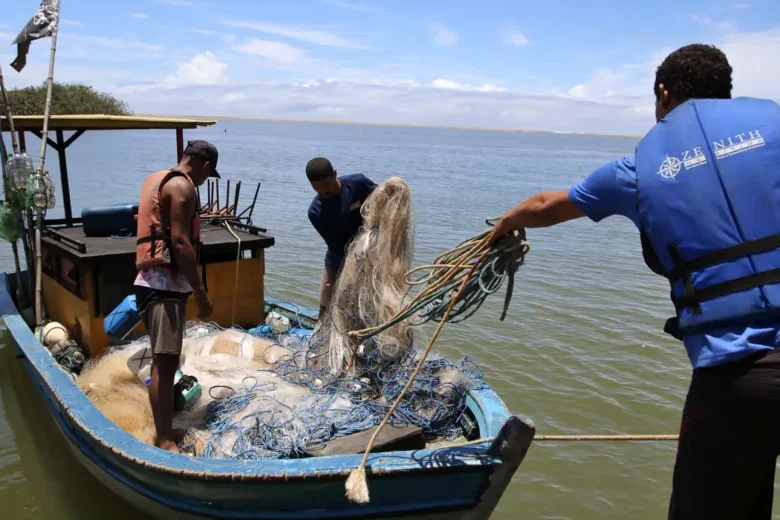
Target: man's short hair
[(319, 169), (694, 72)]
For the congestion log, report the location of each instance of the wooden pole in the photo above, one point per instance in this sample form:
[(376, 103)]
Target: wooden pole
[(8, 114), (179, 144), (23, 292), (39, 173)]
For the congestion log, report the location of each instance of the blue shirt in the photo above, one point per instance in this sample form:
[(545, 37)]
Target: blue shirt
[(611, 190), (338, 220)]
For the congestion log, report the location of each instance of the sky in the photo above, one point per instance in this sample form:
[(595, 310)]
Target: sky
[(560, 65)]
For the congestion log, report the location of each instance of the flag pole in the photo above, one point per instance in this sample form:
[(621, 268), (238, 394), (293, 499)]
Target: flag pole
[(24, 289), (39, 173)]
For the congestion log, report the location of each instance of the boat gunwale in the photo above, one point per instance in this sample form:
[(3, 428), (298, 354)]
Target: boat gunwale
[(99, 429)]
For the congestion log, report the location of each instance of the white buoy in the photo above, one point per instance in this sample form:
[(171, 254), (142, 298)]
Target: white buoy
[(54, 333)]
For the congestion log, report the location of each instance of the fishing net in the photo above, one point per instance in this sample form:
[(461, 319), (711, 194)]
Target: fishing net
[(11, 228), (371, 286), (262, 397)]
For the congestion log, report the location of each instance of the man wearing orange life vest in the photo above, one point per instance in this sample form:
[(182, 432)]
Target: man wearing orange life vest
[(167, 262)]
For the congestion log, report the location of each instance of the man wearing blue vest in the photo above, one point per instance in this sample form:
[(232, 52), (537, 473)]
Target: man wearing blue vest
[(703, 188)]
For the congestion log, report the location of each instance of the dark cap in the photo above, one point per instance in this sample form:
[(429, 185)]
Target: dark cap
[(204, 149)]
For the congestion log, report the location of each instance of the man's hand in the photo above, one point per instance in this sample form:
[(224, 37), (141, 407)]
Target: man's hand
[(205, 307), (505, 225)]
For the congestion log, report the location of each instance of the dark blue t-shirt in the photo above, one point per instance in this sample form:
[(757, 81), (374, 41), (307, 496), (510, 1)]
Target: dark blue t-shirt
[(338, 219)]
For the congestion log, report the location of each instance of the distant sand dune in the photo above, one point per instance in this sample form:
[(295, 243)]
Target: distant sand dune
[(327, 122)]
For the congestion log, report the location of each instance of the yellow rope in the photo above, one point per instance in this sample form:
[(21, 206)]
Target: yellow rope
[(356, 486), (606, 437), (609, 438), (238, 261)]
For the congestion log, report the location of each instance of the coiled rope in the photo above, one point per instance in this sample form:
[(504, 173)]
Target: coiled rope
[(484, 269), (460, 281)]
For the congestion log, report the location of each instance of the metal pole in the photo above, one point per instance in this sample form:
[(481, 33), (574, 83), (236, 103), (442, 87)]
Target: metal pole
[(235, 201), (39, 173), (64, 178)]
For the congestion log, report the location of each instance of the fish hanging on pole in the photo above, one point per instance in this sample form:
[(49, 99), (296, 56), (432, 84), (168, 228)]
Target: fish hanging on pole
[(43, 23)]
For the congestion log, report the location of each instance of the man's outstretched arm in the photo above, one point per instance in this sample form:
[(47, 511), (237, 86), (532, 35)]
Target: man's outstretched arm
[(544, 209)]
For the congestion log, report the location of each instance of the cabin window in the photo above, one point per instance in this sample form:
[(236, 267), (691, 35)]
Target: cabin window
[(64, 271)]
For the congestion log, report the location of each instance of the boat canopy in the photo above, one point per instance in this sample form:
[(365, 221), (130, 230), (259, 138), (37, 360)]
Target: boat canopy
[(80, 123), (103, 122)]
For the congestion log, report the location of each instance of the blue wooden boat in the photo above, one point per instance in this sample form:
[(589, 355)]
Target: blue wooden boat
[(457, 482)]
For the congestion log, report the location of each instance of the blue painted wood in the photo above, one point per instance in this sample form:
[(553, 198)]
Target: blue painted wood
[(402, 482)]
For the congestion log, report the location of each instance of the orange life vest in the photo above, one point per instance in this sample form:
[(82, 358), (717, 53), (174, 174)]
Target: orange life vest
[(153, 247)]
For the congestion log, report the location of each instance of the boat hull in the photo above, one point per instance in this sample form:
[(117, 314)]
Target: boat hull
[(456, 482)]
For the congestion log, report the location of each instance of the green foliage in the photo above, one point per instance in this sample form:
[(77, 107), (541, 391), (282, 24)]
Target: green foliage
[(65, 99)]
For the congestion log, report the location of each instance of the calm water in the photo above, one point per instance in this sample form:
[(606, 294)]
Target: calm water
[(581, 352)]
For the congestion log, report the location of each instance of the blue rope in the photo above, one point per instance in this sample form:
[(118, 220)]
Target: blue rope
[(274, 430)]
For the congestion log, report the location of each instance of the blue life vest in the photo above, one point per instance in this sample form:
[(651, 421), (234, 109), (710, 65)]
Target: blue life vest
[(708, 200)]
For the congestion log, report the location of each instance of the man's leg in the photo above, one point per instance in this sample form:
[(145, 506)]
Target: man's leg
[(165, 322), (725, 460), (161, 397)]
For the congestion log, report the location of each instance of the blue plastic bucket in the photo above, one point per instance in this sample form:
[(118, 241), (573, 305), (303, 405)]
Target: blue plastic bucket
[(122, 319)]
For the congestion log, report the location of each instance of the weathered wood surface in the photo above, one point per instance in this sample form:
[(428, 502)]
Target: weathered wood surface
[(391, 438)]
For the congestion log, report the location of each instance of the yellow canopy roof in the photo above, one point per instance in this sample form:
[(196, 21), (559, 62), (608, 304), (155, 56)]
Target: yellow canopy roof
[(103, 122)]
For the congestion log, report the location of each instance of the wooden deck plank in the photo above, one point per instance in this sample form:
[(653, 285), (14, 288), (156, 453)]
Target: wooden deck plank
[(391, 438)]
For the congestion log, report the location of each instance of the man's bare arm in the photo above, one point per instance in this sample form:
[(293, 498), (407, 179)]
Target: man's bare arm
[(181, 198), (326, 287), (544, 209)]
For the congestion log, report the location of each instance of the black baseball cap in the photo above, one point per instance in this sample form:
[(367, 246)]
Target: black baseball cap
[(204, 149)]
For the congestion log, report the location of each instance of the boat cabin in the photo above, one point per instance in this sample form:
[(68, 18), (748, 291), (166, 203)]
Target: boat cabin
[(87, 274)]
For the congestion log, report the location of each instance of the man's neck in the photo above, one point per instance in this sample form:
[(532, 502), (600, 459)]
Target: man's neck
[(184, 167)]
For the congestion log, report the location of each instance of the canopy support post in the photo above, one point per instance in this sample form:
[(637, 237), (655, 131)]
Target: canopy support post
[(61, 146), (179, 144)]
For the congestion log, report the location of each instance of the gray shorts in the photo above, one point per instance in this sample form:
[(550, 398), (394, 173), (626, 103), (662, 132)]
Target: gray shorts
[(164, 318)]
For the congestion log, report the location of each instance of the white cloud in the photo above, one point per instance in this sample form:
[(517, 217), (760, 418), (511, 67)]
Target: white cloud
[(203, 69), (355, 7), (73, 23), (443, 37), (179, 3), (7, 36), (314, 36), (515, 37), (275, 51), (617, 99), (447, 84), (123, 44), (753, 56), (718, 25), (204, 32), (580, 91), (4, 26), (394, 104), (743, 6), (229, 38), (139, 16)]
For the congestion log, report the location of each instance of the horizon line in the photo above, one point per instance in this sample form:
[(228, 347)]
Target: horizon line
[(399, 125)]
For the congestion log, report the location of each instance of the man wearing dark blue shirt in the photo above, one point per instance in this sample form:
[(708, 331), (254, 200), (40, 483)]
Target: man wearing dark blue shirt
[(335, 214), (702, 188)]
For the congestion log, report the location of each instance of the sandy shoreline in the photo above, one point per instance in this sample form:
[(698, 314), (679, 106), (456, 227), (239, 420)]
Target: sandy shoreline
[(392, 125)]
